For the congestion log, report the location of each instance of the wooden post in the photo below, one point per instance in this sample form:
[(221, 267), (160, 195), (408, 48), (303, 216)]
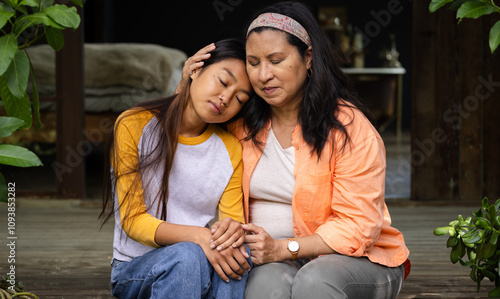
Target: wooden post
[(455, 105), (70, 164)]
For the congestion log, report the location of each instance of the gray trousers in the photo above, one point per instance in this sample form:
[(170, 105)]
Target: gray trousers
[(329, 276)]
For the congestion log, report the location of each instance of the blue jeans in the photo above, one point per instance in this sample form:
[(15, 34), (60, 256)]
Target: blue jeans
[(176, 271)]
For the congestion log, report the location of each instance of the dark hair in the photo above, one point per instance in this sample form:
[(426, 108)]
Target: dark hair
[(326, 89), (168, 112)]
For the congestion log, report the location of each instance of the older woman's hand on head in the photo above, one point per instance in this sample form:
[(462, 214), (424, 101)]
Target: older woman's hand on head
[(194, 63)]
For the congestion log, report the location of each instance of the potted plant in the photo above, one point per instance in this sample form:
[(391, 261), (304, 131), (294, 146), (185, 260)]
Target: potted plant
[(474, 242), (22, 23)]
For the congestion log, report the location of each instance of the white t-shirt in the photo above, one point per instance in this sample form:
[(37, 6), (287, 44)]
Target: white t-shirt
[(271, 189)]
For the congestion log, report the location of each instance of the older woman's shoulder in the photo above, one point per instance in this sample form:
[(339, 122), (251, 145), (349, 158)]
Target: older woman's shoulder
[(358, 126), (237, 129)]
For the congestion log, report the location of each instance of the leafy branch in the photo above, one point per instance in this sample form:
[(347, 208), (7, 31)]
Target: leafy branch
[(23, 23), (473, 9)]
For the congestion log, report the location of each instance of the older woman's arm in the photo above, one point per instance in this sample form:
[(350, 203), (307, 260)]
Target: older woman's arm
[(264, 249)]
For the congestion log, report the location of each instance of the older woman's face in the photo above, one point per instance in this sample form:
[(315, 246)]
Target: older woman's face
[(276, 70)]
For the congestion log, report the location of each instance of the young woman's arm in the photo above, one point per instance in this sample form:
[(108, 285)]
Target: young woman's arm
[(229, 262), (146, 229)]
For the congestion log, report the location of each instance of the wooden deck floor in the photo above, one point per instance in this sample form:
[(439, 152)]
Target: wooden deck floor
[(60, 252)]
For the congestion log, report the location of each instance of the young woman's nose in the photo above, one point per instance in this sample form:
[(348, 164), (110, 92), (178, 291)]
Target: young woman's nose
[(224, 99)]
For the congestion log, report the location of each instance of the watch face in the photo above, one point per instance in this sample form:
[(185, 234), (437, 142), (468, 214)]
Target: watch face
[(293, 246)]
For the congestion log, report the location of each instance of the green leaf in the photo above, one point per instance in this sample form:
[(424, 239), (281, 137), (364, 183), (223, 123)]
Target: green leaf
[(9, 125), (482, 223), (492, 213), (3, 189), (18, 156), (32, 3), (8, 48), (494, 237), (497, 203), (16, 107), (473, 275), (17, 74), (488, 274), (495, 36), (36, 99), (495, 293), (5, 16), (63, 15), (47, 3), (489, 250), (457, 252), (473, 239), (55, 38), (8, 7), (474, 9), (437, 4), (77, 2), (485, 204), (452, 241), (471, 254), (441, 230), (26, 22), (456, 5), (478, 213), (465, 264), (22, 9)]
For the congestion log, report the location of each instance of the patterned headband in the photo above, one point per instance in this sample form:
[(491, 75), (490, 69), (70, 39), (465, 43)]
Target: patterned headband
[(281, 22)]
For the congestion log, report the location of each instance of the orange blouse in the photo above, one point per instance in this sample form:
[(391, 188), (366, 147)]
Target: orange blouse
[(340, 197)]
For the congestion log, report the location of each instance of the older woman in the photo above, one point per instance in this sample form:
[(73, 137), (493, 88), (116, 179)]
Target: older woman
[(314, 171)]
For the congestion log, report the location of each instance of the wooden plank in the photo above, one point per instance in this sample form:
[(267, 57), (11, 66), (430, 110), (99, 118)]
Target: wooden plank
[(432, 274), (61, 253), (472, 49), (491, 144), (464, 165), (423, 90), (70, 166), (445, 159), (435, 67)]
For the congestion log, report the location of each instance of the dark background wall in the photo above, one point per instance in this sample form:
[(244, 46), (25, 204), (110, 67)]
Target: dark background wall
[(189, 25)]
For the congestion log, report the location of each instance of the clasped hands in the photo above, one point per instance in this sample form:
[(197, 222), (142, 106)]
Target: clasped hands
[(229, 253)]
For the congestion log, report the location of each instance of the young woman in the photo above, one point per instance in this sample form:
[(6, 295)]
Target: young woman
[(171, 168), (314, 171)]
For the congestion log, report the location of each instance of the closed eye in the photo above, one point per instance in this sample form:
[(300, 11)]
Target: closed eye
[(238, 99), (223, 84)]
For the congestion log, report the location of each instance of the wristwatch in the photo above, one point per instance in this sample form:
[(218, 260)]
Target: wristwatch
[(293, 246)]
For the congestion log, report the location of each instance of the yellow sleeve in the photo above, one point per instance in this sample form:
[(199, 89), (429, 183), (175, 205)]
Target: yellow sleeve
[(231, 202), (135, 220)]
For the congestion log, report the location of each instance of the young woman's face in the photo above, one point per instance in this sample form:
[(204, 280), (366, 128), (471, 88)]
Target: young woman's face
[(276, 69), (219, 91)]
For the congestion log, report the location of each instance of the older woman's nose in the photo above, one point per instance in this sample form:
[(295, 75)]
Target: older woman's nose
[(265, 73)]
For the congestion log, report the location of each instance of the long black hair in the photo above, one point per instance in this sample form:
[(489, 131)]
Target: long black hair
[(327, 88), (168, 112)]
